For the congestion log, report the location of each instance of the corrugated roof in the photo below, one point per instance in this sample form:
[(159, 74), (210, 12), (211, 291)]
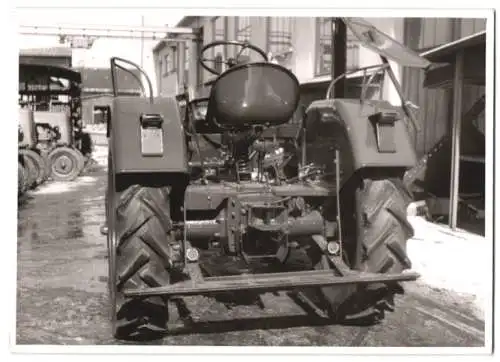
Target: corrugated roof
[(99, 79), (47, 52)]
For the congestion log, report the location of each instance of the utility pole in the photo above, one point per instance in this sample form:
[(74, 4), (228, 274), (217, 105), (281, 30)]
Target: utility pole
[(339, 55), (142, 42)]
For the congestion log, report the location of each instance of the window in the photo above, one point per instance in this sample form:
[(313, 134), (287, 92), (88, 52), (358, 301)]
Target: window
[(167, 62), (186, 56), (170, 62), (219, 33), (243, 28), (100, 114), (160, 69), (279, 35), (200, 73), (243, 33), (219, 28), (186, 62), (324, 60)]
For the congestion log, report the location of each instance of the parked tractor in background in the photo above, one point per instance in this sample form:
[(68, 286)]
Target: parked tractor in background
[(53, 95), (317, 208), (32, 165), (22, 172)]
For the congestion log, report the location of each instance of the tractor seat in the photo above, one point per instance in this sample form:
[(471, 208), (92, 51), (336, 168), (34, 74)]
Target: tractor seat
[(253, 94)]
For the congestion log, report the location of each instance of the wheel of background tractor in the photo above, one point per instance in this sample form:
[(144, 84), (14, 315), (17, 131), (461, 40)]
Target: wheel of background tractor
[(31, 172), (65, 164), (21, 179), (139, 257), (379, 218), (45, 156), (39, 165), (82, 161)]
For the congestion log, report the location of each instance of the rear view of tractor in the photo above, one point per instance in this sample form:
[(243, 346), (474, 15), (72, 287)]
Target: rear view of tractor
[(231, 200), (52, 94)]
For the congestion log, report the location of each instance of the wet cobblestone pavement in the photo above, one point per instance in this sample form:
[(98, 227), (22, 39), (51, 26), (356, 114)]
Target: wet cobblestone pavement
[(62, 292)]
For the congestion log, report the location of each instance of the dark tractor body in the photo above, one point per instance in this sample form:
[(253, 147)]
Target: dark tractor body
[(58, 123), (229, 199)]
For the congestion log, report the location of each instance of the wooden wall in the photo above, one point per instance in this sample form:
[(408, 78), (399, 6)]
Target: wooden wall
[(421, 34)]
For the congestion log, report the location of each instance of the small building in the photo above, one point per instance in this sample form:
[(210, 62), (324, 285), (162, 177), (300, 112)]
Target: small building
[(97, 91)]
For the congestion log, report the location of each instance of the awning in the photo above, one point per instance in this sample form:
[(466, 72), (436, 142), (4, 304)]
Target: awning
[(28, 70), (474, 67)]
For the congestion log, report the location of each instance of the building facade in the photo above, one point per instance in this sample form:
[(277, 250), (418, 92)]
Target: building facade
[(302, 45)]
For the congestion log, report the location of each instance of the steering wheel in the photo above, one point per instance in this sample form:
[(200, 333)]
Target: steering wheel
[(230, 62)]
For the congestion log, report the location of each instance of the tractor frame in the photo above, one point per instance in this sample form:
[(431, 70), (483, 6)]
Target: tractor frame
[(328, 189)]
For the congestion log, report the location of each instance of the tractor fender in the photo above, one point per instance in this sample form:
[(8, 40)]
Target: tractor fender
[(359, 130), (137, 152)]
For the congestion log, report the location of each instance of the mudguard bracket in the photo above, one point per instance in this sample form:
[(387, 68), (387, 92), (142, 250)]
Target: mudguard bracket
[(151, 135)]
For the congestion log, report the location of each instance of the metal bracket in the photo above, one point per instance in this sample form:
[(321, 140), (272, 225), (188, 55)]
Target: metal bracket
[(233, 222), (151, 134), (384, 130)]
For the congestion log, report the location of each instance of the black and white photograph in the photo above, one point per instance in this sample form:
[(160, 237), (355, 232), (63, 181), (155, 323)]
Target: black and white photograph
[(242, 177)]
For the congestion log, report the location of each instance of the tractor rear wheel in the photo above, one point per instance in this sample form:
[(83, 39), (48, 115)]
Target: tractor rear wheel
[(40, 167), (140, 256), (65, 163), (376, 231)]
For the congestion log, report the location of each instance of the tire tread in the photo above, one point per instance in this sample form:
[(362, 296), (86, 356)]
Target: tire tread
[(142, 259)]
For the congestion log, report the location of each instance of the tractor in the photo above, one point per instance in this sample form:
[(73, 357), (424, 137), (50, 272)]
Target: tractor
[(53, 95), (229, 199), (31, 163)]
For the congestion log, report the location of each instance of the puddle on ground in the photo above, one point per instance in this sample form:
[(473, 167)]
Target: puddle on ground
[(59, 242)]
